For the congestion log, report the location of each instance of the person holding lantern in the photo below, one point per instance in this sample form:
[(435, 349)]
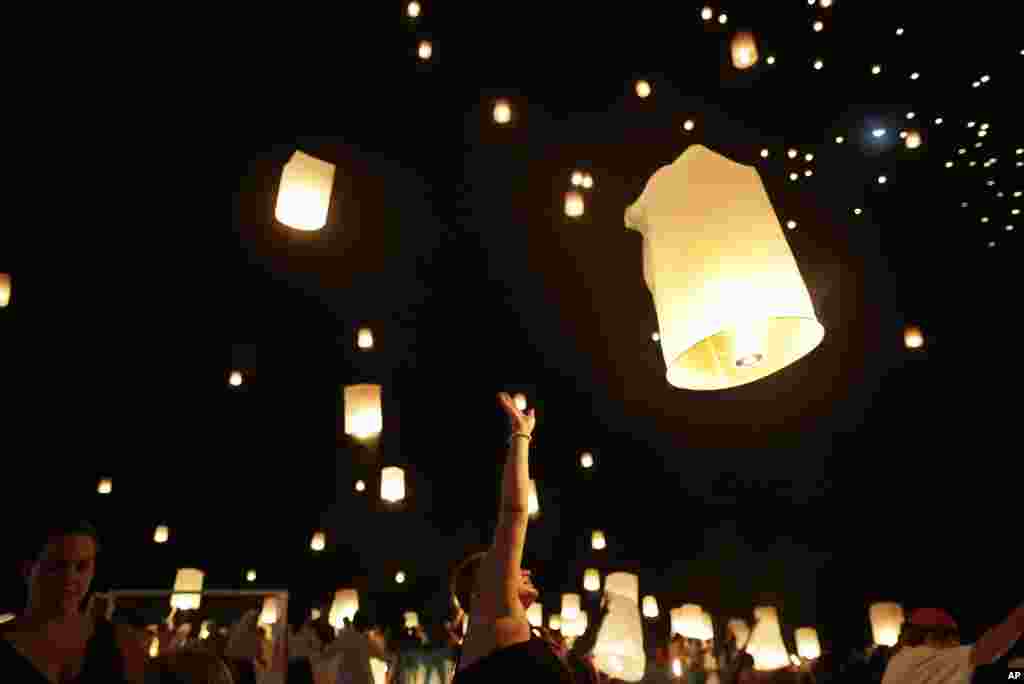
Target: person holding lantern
[(495, 591), (929, 648)]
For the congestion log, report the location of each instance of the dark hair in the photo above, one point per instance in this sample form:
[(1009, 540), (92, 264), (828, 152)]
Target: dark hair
[(48, 530), (919, 635), (463, 580), (300, 671)]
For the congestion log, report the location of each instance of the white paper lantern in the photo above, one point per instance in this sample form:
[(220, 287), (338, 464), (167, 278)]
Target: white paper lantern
[(250, 576), (555, 622), (363, 416), (650, 607), (400, 577), (413, 9), (425, 50), (535, 614), (591, 579), (691, 623), (502, 112), (913, 338), (305, 192), (643, 89), (269, 614), (318, 542), (412, 620), (587, 459), (807, 644), (5, 289), (235, 379), (344, 607), (161, 534), (364, 339), (570, 607), (619, 651), (732, 306), (573, 204), (533, 502), (105, 486), (597, 541), (575, 627), (392, 484), (744, 50), (886, 623), (577, 178), (188, 589), (913, 140), (766, 644)]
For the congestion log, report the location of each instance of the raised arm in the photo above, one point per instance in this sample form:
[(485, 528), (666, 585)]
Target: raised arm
[(997, 641)]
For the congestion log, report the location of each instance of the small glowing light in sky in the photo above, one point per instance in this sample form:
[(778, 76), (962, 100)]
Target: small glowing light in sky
[(984, 219), (876, 69), (808, 173), (706, 14), (883, 179), (899, 31), (413, 10), (825, 3), (818, 64), (360, 486), (992, 244), (903, 135), (840, 139), (914, 76), (643, 88), (808, 156), (723, 18), (688, 124), (818, 26), (982, 133), (858, 211), (764, 153), (791, 224), (771, 59), (970, 124), (984, 126), (938, 122), (791, 153), (963, 205), (962, 150), (878, 132), (911, 115), (655, 336), (949, 165), (1009, 228), (985, 78), (425, 50), (794, 176)]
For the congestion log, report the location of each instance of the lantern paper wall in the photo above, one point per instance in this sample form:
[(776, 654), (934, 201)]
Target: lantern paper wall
[(161, 534), (573, 204), (5, 289), (768, 613), (597, 540), (535, 614), (392, 484), (411, 619), (676, 621), (740, 630), (363, 415), (555, 622), (591, 579), (318, 542), (105, 486), (619, 651), (744, 50), (732, 306), (305, 192), (570, 607), (691, 623), (502, 112), (767, 646), (807, 644), (188, 589), (886, 622), (575, 627), (913, 338), (533, 500), (269, 614), (344, 607), (650, 607), (364, 340), (587, 459), (235, 379)]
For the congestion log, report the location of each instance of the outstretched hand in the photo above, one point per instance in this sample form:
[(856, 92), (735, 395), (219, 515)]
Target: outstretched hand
[(520, 421)]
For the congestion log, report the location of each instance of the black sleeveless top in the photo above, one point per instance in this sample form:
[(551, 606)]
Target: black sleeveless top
[(531, 661), (103, 662)]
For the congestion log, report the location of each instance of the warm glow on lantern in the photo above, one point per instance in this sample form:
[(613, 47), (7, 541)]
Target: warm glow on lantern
[(318, 542), (5, 289), (188, 589), (570, 607), (766, 645), (591, 579), (807, 644), (413, 10), (886, 623), (250, 576), (344, 607), (502, 112), (818, 64), (269, 614), (689, 621), (818, 26), (400, 577), (643, 88), (161, 534), (573, 204), (587, 459), (707, 221), (913, 140), (577, 178), (597, 541), (688, 125), (650, 607), (425, 50), (520, 401), (533, 502), (535, 614), (105, 486), (364, 339), (744, 50), (363, 416), (707, 13), (235, 379), (392, 484), (588, 181), (555, 622), (913, 338), (412, 620), (677, 667), (315, 614), (360, 486), (305, 192), (619, 651)]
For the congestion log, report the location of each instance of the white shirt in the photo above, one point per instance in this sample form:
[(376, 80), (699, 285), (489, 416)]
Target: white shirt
[(927, 665)]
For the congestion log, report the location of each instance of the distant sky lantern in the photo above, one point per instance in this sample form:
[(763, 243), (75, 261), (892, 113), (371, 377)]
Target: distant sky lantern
[(235, 379), (791, 153), (876, 69), (688, 125), (690, 622), (883, 179), (886, 623), (399, 577), (825, 4), (533, 504), (270, 612), (520, 401), (809, 172), (577, 178), (723, 18), (903, 135), (807, 644), (878, 132), (315, 614), (161, 534), (913, 338), (413, 10), (707, 13), (840, 139), (364, 338), (535, 614), (819, 63), (791, 224), (587, 459), (643, 88), (793, 175), (655, 336), (770, 60), (818, 26), (913, 140), (764, 153), (555, 622), (188, 589), (363, 416), (650, 607), (360, 486), (570, 606), (502, 112), (573, 204), (914, 76), (619, 650), (105, 486), (250, 576), (591, 579), (5, 289), (425, 50), (304, 195), (858, 211), (911, 115), (588, 181), (705, 219), (318, 542), (597, 540), (392, 484), (412, 619), (345, 606), (744, 50), (767, 646), (899, 32), (808, 157)]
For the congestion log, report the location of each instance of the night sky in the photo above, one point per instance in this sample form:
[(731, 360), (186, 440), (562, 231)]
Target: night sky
[(862, 472)]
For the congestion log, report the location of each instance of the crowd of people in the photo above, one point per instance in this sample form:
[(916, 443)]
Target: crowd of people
[(67, 635)]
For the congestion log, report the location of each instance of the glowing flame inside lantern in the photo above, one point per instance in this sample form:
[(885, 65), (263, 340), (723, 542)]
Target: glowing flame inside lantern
[(344, 607), (570, 607), (363, 416), (318, 542), (886, 623), (364, 339), (304, 195), (188, 589), (502, 112), (597, 540), (744, 50), (913, 338), (650, 607), (392, 484), (573, 204), (161, 534), (591, 579), (105, 486)]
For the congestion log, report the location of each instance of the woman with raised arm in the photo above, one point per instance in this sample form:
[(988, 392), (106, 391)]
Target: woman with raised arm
[(495, 592)]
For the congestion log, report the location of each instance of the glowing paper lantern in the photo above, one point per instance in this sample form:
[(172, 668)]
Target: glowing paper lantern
[(535, 614), (105, 486), (690, 622), (161, 534), (400, 577), (520, 401), (5, 289), (744, 50), (588, 181), (643, 89), (591, 579), (886, 623), (706, 14), (740, 631), (732, 305), (597, 541), (318, 542), (676, 621), (619, 651), (570, 607), (364, 339), (807, 644), (573, 204), (305, 192), (411, 619), (577, 178), (188, 589), (360, 486), (315, 614), (913, 140), (502, 112), (555, 622), (392, 484), (250, 576), (269, 614), (425, 49), (913, 338), (363, 416), (677, 667), (650, 607), (235, 379), (413, 10), (344, 607), (587, 459), (766, 644), (533, 504), (575, 627)]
